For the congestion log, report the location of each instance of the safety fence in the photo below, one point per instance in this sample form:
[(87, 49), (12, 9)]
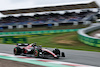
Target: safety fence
[(21, 37), (89, 40)]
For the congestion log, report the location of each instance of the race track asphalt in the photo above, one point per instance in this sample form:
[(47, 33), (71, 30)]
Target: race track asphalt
[(74, 56)]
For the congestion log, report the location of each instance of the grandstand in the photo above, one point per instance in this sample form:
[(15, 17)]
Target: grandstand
[(51, 18)]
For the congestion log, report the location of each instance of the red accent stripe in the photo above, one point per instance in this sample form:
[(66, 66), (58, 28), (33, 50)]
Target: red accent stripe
[(45, 60), (73, 64), (25, 51), (28, 47), (5, 55), (49, 52), (24, 57)]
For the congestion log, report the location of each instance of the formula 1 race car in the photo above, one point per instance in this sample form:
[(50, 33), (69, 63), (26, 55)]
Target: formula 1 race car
[(36, 51)]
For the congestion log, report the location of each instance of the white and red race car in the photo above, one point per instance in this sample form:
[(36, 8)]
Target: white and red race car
[(36, 51)]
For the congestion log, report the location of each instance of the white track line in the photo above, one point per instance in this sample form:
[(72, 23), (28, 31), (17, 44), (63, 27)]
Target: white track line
[(48, 61)]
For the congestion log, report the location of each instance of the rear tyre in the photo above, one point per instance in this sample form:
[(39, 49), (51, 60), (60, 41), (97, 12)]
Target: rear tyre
[(17, 51)]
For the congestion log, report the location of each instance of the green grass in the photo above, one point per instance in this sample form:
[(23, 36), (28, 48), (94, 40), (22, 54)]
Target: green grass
[(64, 40), (61, 40)]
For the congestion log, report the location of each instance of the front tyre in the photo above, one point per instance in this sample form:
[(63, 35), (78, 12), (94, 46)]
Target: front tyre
[(17, 51), (57, 52), (63, 54)]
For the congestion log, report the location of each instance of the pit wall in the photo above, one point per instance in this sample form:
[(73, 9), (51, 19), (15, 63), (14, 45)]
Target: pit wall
[(89, 40)]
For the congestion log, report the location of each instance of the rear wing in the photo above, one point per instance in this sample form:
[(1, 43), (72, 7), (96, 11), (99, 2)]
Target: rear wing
[(21, 44)]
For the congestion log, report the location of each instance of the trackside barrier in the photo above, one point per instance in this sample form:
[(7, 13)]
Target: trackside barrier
[(92, 41), (36, 32), (10, 40)]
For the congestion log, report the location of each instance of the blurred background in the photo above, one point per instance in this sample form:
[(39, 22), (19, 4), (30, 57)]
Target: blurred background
[(67, 24)]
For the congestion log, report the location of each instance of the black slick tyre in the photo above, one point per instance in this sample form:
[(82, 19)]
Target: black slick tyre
[(17, 51), (63, 54)]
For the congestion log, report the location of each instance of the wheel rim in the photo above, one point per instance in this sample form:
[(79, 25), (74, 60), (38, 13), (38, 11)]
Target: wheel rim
[(36, 53)]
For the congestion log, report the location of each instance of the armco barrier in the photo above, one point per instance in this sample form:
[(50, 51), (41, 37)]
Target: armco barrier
[(36, 32), (85, 38)]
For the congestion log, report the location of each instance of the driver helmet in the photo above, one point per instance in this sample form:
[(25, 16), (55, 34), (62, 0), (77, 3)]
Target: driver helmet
[(40, 46)]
